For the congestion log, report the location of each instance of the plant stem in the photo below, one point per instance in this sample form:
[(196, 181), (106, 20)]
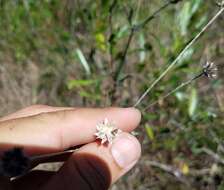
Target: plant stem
[(179, 56), (149, 18), (111, 9), (175, 90), (134, 28), (124, 55)]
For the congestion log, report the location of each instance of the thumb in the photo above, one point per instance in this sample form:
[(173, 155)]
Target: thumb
[(96, 166)]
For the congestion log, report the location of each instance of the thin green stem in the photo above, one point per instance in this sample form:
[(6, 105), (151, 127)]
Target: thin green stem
[(175, 90), (149, 18), (110, 20), (123, 58)]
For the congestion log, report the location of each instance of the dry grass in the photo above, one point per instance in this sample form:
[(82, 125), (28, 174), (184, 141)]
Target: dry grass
[(18, 86)]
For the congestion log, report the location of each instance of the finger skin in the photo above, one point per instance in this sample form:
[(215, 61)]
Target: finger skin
[(44, 123), (58, 130), (91, 168)]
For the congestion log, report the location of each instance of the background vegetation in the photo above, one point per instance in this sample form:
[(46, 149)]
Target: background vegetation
[(77, 53)]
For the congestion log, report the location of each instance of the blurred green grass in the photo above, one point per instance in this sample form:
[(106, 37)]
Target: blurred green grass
[(66, 52)]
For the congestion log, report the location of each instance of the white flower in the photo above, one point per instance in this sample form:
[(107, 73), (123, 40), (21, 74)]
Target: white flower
[(106, 131)]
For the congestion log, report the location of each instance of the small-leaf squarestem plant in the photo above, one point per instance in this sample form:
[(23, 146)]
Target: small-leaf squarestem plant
[(14, 162), (209, 70)]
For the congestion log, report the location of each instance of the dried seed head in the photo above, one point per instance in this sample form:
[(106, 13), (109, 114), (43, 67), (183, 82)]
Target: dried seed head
[(14, 163), (220, 4), (210, 70), (106, 131)]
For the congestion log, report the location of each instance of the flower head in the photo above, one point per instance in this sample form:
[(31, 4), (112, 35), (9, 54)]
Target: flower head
[(106, 131), (220, 4), (210, 70)]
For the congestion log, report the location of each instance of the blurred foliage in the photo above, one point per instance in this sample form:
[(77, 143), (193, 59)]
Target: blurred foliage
[(77, 47)]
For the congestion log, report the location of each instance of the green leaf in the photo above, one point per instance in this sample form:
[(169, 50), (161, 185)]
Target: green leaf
[(193, 101), (184, 18), (187, 55), (83, 61), (122, 32), (80, 83), (186, 13), (100, 41), (201, 21), (180, 96), (195, 6), (149, 131), (142, 46)]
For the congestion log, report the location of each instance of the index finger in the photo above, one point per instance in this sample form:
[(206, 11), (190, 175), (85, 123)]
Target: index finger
[(56, 131)]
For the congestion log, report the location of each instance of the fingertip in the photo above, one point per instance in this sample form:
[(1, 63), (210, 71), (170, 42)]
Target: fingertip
[(127, 119), (135, 113), (121, 148), (132, 116)]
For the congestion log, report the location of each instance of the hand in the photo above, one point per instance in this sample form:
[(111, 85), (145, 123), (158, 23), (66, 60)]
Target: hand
[(44, 129)]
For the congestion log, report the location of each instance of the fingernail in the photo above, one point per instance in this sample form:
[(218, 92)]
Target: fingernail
[(125, 150)]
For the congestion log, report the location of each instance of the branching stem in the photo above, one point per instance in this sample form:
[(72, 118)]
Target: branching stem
[(179, 56), (134, 28)]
